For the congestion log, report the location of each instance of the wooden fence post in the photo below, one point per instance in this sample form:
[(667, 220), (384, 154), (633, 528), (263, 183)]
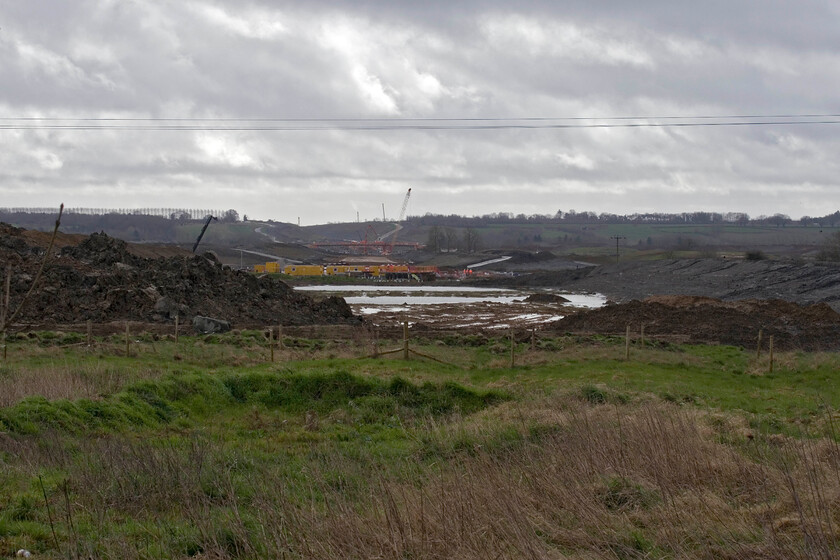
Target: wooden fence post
[(533, 339), (89, 333), (280, 337), (127, 341), (642, 335), (375, 342), (5, 306), (771, 353), (405, 340), (512, 349), (758, 346), (177, 324), (271, 341), (627, 344)]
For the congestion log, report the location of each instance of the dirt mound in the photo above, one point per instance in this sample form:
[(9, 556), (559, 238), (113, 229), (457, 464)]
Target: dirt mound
[(101, 279), (702, 319), (545, 298)]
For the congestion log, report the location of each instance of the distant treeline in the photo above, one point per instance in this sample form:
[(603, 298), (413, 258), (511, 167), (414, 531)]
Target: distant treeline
[(169, 213), (573, 217), (158, 225)]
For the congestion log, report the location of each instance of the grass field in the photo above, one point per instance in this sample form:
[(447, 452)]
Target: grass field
[(207, 449)]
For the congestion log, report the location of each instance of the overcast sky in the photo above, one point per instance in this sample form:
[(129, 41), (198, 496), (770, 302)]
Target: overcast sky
[(391, 60)]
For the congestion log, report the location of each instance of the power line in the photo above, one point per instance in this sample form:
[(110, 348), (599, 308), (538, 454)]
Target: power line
[(361, 126), (269, 124), (423, 119)]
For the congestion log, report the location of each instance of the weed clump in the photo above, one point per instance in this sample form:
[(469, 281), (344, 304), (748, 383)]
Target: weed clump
[(623, 494), (596, 395), (374, 398), (162, 401)]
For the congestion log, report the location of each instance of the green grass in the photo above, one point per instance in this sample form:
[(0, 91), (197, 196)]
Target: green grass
[(208, 448)]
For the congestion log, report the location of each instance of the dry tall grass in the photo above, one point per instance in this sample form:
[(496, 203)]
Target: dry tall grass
[(609, 483), (650, 480), (607, 486), (65, 381)]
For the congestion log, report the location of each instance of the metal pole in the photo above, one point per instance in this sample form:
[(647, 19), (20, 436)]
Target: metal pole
[(617, 239)]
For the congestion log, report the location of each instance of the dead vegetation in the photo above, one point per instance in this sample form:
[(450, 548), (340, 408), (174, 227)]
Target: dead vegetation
[(601, 482), (566, 478)]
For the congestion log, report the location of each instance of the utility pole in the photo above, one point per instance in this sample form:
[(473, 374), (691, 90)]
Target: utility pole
[(617, 239)]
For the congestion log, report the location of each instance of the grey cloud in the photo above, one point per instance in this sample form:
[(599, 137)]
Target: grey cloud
[(432, 59)]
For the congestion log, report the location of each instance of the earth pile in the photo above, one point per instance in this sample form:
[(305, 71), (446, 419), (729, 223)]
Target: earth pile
[(699, 319), (102, 279)]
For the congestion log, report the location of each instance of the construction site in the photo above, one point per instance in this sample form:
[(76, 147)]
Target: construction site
[(372, 257)]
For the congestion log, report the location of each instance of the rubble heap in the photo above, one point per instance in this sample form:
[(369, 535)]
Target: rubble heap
[(100, 279)]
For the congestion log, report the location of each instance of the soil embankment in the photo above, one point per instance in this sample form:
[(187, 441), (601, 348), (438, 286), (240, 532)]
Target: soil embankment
[(102, 279), (724, 301), (702, 320), (725, 279)]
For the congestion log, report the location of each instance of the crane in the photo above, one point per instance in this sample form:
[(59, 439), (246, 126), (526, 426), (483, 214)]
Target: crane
[(208, 219), (399, 227)]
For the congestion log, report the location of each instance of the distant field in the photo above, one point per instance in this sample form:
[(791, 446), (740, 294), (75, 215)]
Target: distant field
[(636, 240)]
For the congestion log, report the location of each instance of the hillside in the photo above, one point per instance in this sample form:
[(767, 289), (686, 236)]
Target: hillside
[(587, 238)]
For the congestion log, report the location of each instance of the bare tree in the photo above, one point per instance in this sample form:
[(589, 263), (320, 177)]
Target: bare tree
[(831, 248), (451, 239), (436, 238), (471, 240)]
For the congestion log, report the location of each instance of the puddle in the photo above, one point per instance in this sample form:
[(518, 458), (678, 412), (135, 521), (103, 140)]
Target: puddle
[(454, 307)]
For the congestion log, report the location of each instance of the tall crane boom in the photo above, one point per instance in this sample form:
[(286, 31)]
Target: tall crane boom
[(405, 205), (399, 227), (200, 235)]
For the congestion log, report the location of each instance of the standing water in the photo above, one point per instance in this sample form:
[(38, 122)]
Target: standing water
[(455, 306)]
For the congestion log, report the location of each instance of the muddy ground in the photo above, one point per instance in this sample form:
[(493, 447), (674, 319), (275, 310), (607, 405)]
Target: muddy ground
[(725, 279), (696, 319), (684, 319), (109, 282), (705, 300)]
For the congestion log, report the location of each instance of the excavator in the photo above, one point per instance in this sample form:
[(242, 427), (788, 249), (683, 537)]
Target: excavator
[(203, 229)]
